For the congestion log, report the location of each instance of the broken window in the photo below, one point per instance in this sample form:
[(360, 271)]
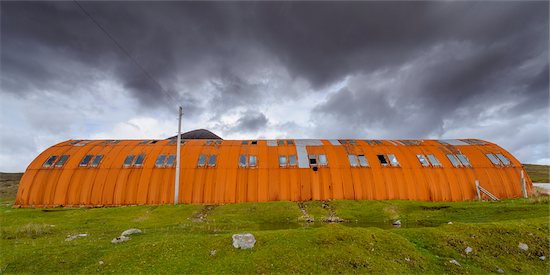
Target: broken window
[(139, 160), (128, 160), (290, 142), (282, 161), (423, 160), (96, 161), (254, 142), (312, 160), (463, 159), (454, 160), (292, 160), (252, 161), (170, 161), (352, 160), (363, 161), (85, 160), (160, 161), (503, 159), (393, 160), (323, 160), (382, 159), (434, 161), (61, 161), (280, 142), (212, 160), (202, 160), (242, 161)]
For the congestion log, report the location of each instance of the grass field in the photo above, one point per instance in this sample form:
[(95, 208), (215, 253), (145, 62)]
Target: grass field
[(538, 173), (197, 238)]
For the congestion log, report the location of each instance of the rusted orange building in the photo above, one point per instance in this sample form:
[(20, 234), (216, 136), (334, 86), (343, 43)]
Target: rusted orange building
[(129, 172)]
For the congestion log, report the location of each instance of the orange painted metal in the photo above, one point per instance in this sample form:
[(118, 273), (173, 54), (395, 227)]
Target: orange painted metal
[(112, 184)]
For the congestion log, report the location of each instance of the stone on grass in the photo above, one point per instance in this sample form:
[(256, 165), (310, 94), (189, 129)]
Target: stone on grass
[(450, 223), (454, 262), (333, 219), (468, 250), (243, 241), (101, 262), (542, 258), (120, 239), (523, 246), (70, 238), (130, 232), (213, 252), (398, 222), (500, 270)]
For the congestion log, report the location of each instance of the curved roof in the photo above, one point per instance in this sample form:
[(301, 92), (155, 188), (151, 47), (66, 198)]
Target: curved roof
[(128, 172), (198, 134)]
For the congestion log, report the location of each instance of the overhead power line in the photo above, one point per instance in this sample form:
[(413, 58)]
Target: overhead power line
[(143, 70)]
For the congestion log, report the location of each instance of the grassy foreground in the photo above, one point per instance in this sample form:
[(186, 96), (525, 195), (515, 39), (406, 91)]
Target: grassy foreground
[(197, 238)]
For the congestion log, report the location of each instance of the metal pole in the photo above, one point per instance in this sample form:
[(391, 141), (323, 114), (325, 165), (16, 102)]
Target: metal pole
[(523, 187), (477, 190), (178, 146)]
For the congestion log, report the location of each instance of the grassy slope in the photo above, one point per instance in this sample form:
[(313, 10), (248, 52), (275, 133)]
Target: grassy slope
[(538, 173), (182, 238)]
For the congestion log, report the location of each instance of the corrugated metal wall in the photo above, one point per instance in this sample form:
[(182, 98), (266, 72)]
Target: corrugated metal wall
[(112, 184)]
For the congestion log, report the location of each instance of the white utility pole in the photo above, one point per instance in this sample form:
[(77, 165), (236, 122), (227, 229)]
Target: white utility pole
[(178, 146)]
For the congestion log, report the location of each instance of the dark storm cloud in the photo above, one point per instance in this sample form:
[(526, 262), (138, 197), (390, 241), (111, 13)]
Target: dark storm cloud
[(411, 68)]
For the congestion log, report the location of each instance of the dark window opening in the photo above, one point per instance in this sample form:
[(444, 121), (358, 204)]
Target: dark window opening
[(139, 160), (280, 142), (85, 160), (382, 159), (128, 160), (312, 160), (254, 142), (49, 162)]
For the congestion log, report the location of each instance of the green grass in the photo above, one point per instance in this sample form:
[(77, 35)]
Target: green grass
[(176, 239), (538, 173), (197, 238)]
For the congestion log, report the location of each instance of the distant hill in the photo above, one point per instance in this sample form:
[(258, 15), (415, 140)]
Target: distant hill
[(538, 173)]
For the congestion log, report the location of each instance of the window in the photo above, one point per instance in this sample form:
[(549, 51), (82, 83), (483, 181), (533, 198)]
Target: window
[(139, 160), (202, 160), (463, 159), (493, 159), (374, 142), (49, 162), (154, 141), (363, 161), (97, 160), (254, 142), (116, 142), (410, 142), (208, 142), (292, 160), (393, 160), (434, 161), (245, 142), (352, 160), (144, 142), (105, 142), (280, 142), (290, 142), (282, 160), (160, 161), (170, 161), (473, 141), (323, 160), (312, 160), (382, 159), (85, 160), (61, 161), (212, 161), (423, 160), (503, 159), (454, 160), (128, 160), (242, 161), (252, 161)]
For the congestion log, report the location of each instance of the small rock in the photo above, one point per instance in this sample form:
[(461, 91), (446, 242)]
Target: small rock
[(213, 252), (523, 246), (82, 235), (542, 258), (468, 250), (398, 222), (243, 241), (333, 219), (120, 239), (500, 270), (454, 262), (70, 238), (101, 262), (130, 232), (450, 223), (408, 259)]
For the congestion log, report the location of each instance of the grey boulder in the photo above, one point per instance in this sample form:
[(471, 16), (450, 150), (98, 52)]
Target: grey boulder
[(243, 241)]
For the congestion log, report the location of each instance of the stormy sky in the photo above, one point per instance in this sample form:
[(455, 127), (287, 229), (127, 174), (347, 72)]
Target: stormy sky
[(367, 70)]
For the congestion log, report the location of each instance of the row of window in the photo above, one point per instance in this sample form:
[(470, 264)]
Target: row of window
[(164, 161)]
